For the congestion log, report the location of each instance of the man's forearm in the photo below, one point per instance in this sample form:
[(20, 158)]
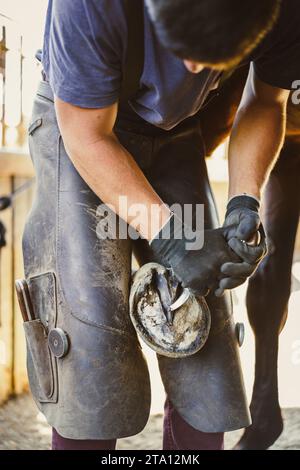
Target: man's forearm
[(111, 172), (255, 143)]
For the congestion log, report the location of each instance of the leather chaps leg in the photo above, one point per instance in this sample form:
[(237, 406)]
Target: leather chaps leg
[(100, 389)]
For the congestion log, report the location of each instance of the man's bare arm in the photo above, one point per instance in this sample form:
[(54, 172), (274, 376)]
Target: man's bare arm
[(106, 166), (257, 136)]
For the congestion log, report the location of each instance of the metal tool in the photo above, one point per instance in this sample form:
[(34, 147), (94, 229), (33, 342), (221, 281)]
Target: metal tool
[(6, 201), (254, 241), (24, 299), (58, 342), (183, 298), (2, 235), (240, 333)]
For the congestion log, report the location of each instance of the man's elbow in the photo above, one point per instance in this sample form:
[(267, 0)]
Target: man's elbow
[(82, 129), (270, 109)]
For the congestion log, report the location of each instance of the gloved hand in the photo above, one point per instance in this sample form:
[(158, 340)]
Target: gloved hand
[(243, 221), (198, 269)]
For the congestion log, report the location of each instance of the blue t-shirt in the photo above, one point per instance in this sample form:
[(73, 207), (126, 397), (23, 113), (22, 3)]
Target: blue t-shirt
[(85, 48)]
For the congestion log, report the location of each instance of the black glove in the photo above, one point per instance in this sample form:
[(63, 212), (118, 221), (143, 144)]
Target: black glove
[(242, 215), (198, 269), (247, 239)]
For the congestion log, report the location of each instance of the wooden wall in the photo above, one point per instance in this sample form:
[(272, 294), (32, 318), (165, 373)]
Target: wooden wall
[(19, 74), (14, 171)]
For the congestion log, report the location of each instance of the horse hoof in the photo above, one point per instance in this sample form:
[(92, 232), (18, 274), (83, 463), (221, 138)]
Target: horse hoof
[(255, 438)]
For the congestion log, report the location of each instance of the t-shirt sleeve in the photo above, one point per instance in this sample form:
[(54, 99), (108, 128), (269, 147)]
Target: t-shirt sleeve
[(278, 63), (85, 52)]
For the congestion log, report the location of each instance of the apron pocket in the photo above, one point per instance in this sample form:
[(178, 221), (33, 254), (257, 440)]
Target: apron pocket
[(41, 363), (40, 356)]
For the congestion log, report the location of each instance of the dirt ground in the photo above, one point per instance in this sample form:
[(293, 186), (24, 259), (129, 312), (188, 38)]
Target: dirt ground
[(23, 427)]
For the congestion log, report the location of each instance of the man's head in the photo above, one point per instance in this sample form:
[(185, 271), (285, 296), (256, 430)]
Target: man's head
[(214, 33)]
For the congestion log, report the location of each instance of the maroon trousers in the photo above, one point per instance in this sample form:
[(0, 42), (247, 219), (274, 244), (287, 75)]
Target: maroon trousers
[(177, 435)]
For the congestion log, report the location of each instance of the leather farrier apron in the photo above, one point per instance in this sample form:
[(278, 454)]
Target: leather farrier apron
[(92, 382)]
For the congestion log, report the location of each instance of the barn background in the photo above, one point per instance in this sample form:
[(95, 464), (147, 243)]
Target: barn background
[(21, 25)]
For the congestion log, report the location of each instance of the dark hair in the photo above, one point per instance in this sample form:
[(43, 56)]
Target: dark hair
[(213, 31)]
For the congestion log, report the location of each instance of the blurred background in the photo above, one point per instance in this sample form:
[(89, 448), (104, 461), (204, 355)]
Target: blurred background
[(21, 27)]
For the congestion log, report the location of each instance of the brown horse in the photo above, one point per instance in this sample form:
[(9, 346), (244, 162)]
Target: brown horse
[(269, 288)]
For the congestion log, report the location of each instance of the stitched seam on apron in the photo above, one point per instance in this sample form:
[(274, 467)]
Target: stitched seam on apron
[(85, 320), (45, 97)]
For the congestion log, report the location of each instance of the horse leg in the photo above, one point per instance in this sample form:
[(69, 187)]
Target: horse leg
[(267, 300)]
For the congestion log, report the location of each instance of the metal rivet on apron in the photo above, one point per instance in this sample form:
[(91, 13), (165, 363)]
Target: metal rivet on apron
[(58, 342), (240, 333)]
